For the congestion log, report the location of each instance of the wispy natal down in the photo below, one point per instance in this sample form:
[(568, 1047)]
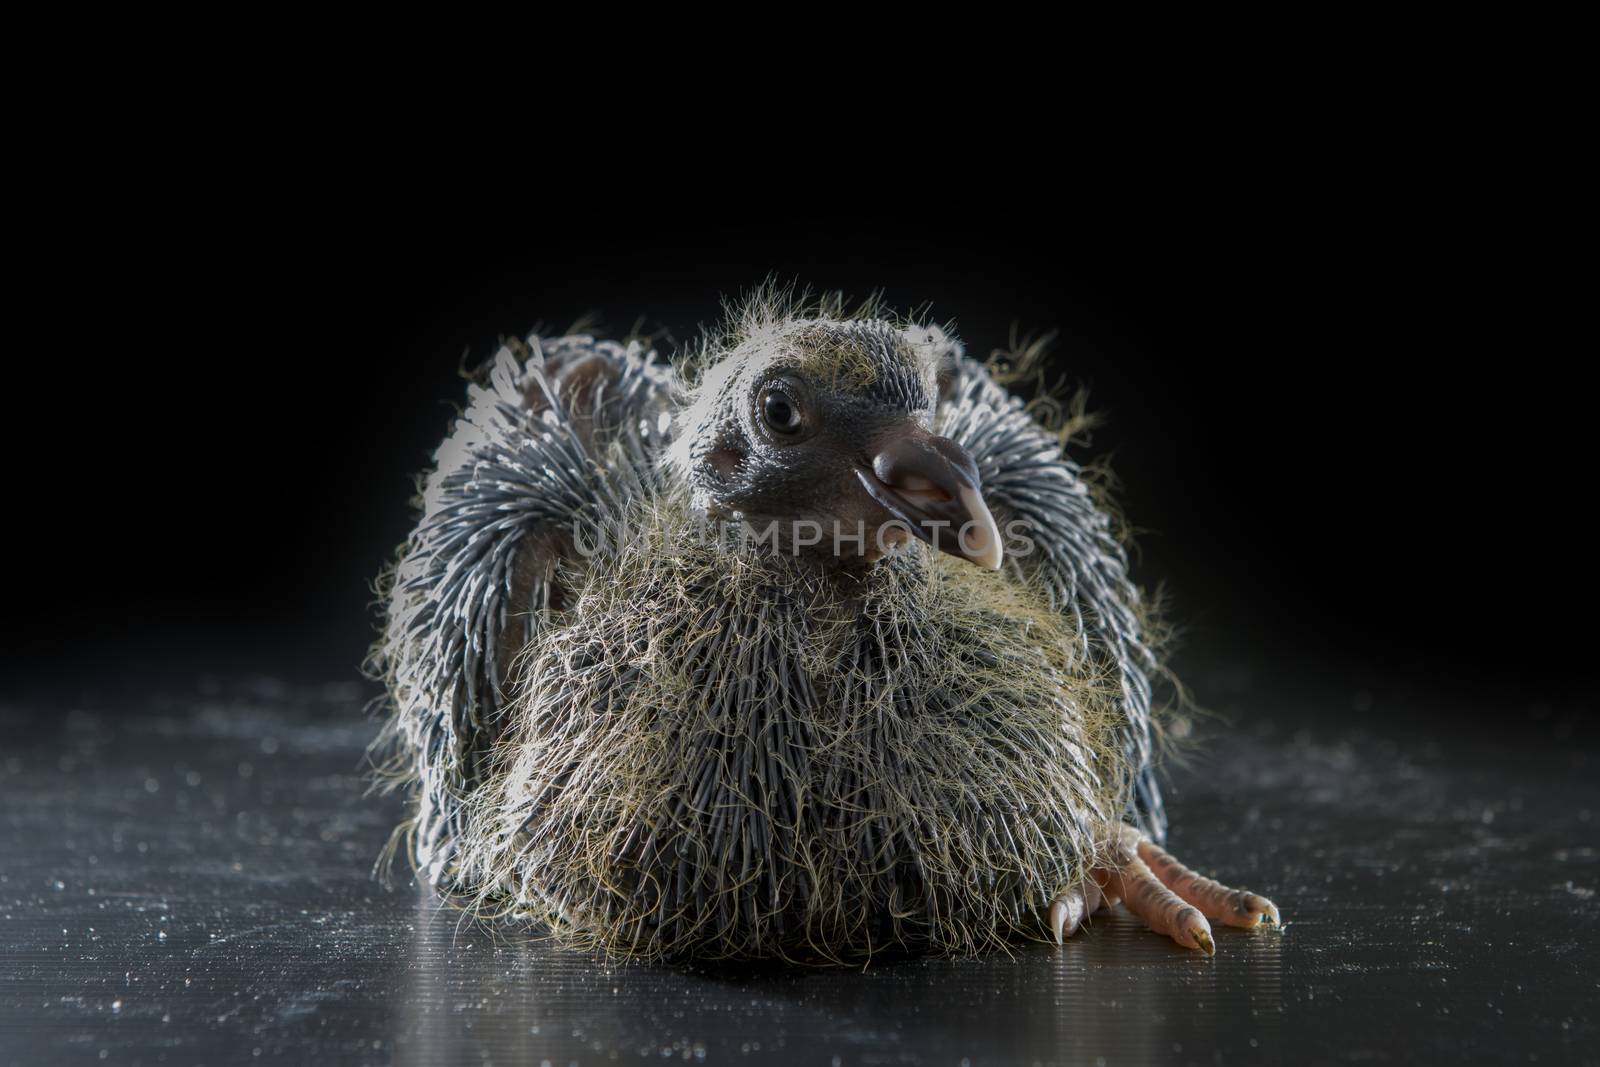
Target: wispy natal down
[(811, 643)]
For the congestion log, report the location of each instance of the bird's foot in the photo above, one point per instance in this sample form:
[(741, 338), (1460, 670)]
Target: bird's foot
[(1169, 897)]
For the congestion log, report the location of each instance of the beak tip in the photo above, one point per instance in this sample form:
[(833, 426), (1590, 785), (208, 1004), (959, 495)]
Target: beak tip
[(987, 552)]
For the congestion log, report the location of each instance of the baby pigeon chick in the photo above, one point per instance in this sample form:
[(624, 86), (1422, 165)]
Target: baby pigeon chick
[(815, 648)]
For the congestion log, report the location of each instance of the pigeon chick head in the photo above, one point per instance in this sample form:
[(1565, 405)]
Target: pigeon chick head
[(817, 435)]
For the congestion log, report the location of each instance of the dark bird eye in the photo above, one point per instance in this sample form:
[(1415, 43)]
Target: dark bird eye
[(781, 413)]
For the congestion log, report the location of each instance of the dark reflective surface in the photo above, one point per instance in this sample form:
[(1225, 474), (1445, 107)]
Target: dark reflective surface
[(191, 883)]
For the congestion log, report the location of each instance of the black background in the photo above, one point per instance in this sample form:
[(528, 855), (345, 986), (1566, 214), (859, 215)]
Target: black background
[(1336, 392)]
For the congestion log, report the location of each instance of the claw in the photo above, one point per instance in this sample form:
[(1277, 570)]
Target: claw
[(1203, 939), (1066, 912)]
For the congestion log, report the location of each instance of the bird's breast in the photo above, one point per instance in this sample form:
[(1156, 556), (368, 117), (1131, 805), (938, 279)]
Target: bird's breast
[(712, 752)]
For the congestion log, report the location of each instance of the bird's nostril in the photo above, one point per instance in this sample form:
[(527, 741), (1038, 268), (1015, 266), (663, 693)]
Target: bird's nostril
[(908, 464), (917, 485)]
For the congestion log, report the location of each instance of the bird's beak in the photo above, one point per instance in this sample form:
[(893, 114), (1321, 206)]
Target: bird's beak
[(930, 484)]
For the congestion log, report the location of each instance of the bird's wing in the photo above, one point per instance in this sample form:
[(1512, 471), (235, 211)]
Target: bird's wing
[(559, 435), (1076, 558)]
